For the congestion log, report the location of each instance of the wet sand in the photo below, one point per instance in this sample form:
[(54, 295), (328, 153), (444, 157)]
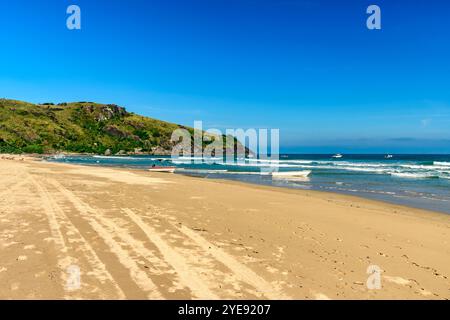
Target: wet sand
[(141, 235)]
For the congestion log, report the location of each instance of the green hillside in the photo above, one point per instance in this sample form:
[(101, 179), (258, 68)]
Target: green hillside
[(81, 127)]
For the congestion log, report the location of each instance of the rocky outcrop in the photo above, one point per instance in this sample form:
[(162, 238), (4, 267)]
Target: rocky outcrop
[(116, 132), (161, 151), (105, 112)]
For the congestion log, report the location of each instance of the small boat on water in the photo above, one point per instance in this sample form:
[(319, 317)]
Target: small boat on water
[(59, 156), (337, 156), (162, 169), (388, 156), (303, 174)]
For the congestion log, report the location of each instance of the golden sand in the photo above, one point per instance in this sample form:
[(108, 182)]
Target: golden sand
[(140, 235)]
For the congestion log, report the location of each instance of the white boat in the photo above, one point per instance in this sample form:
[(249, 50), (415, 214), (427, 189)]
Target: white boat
[(303, 174), (59, 156), (388, 156), (337, 156), (162, 169)]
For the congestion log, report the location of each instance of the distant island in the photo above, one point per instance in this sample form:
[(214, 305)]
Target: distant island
[(82, 127)]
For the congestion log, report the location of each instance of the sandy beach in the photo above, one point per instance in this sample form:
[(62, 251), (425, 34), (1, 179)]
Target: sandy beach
[(140, 235)]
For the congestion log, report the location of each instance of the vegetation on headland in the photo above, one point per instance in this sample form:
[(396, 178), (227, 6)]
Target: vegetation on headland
[(81, 127)]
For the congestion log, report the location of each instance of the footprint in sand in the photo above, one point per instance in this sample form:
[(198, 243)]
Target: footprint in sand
[(405, 282), (271, 269), (425, 293), (321, 296), (39, 274), (397, 280), (9, 244), (14, 286)]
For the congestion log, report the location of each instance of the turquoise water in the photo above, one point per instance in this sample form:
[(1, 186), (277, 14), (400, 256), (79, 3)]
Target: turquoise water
[(421, 181)]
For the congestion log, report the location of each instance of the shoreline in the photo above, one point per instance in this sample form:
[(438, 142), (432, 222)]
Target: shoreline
[(319, 193), (136, 234), (359, 194)]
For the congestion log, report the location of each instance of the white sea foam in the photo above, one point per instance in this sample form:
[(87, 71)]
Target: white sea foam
[(361, 164), (244, 164), (198, 158), (365, 169), (401, 169), (441, 163), (201, 170), (416, 166), (118, 157), (414, 175), (300, 161)]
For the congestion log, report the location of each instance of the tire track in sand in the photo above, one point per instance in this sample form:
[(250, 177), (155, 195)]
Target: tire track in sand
[(54, 213), (240, 271), (137, 275), (64, 260), (187, 276)]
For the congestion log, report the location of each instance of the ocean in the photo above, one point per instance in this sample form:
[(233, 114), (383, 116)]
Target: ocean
[(421, 181)]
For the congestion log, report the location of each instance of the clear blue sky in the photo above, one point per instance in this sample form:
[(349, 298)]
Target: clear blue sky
[(308, 67)]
